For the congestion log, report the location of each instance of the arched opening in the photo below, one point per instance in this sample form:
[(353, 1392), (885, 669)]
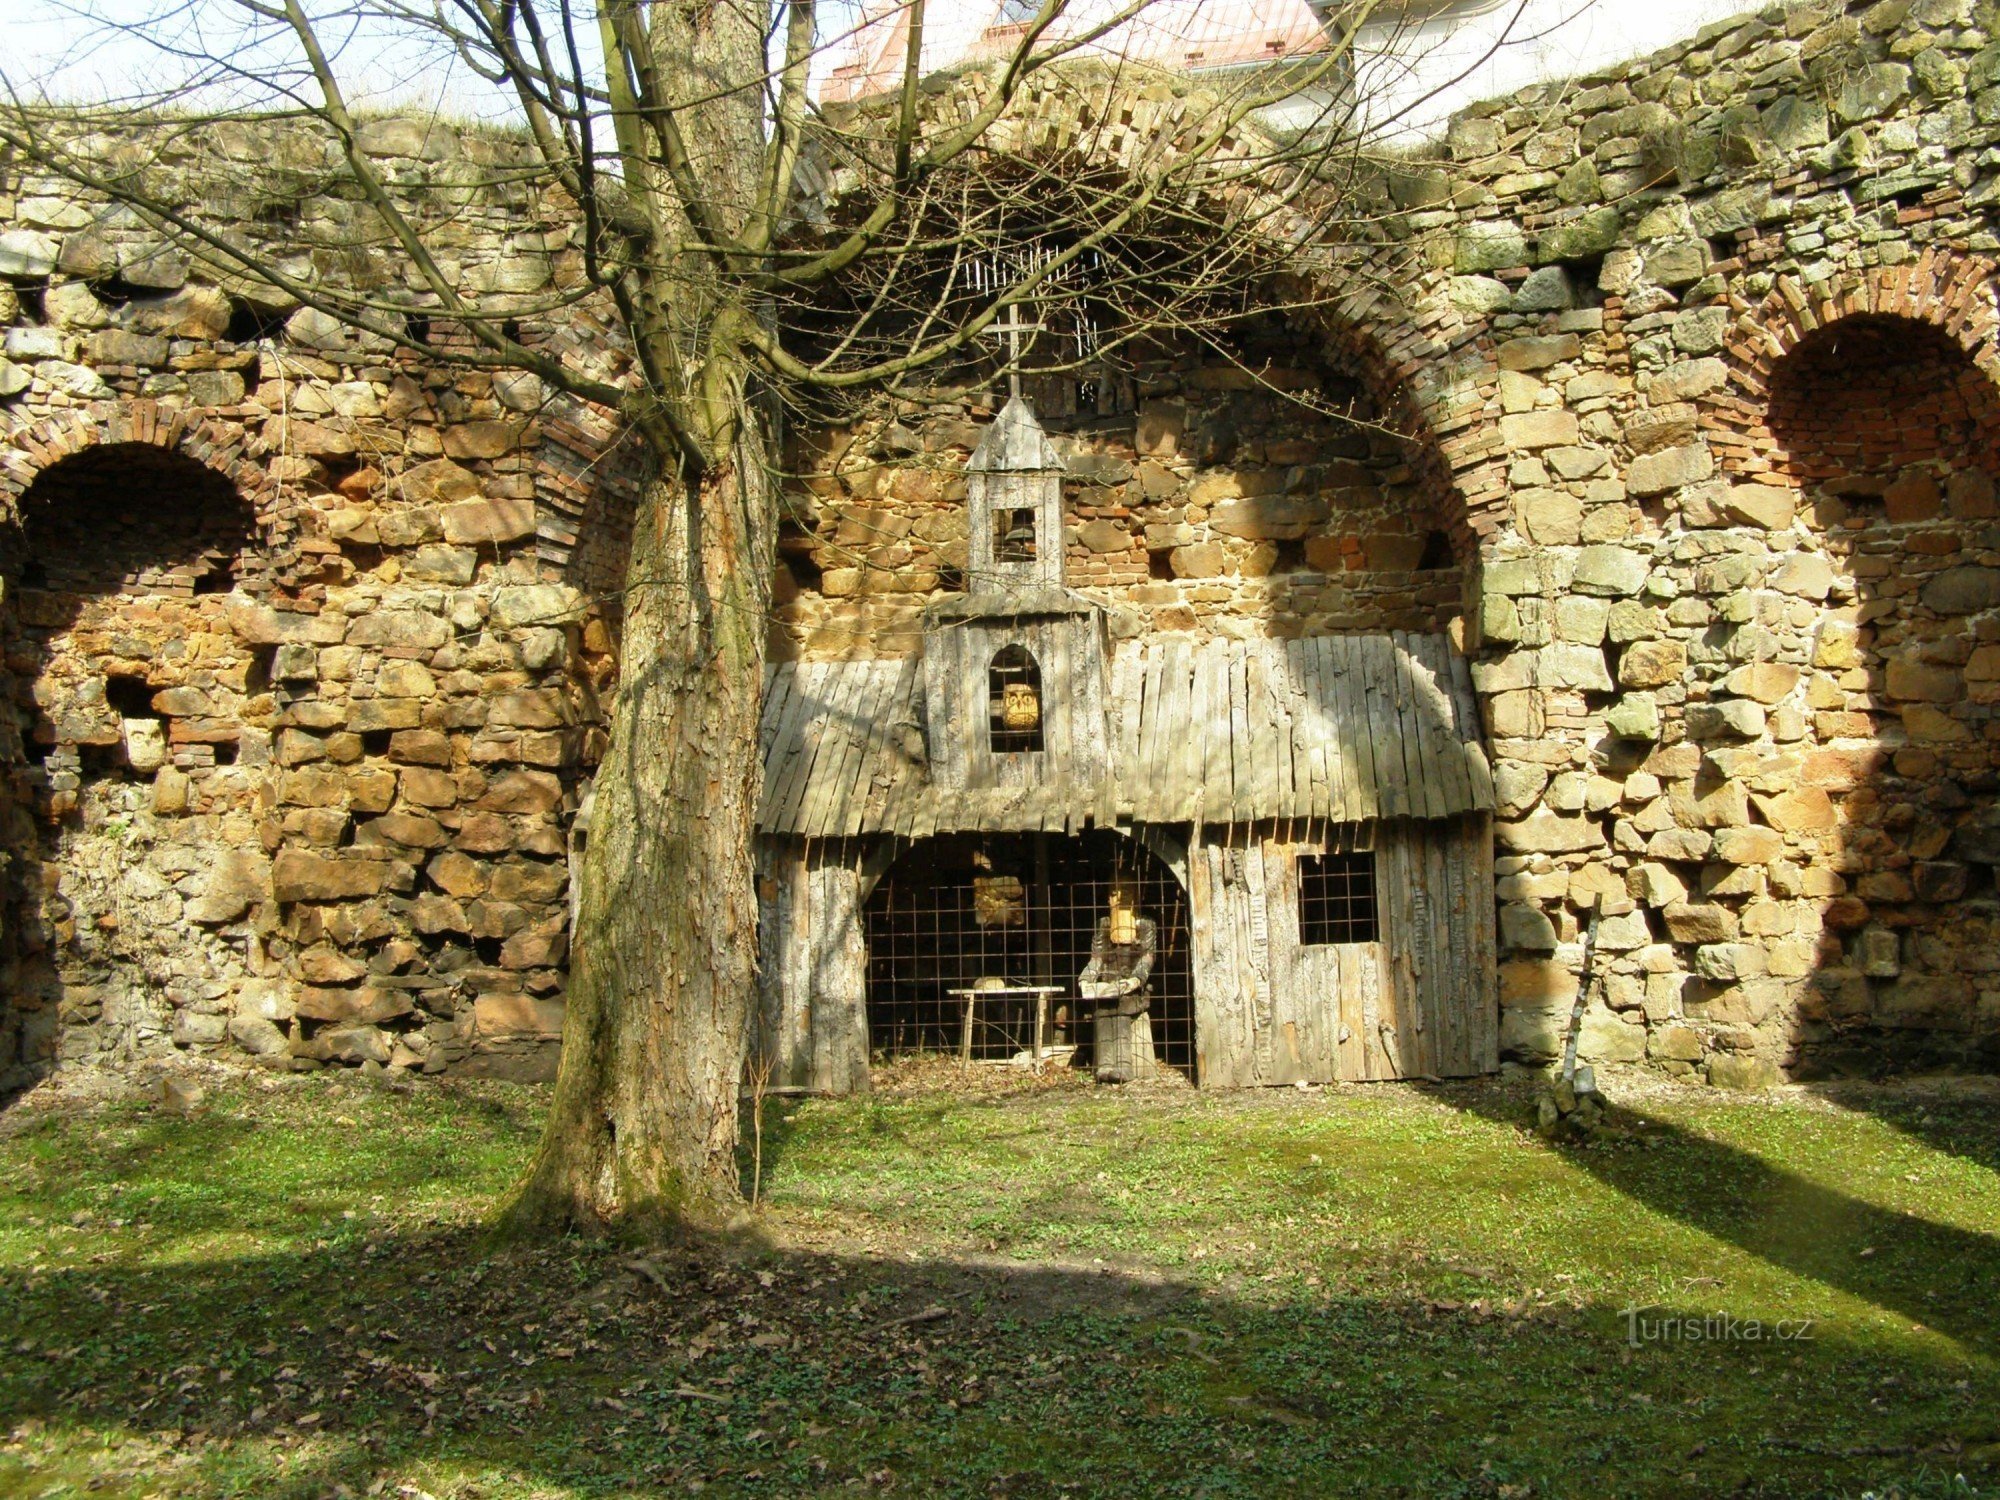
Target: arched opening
[(1023, 909), (131, 518), (1885, 600), (128, 695), (1014, 701), (112, 552), (1885, 418)]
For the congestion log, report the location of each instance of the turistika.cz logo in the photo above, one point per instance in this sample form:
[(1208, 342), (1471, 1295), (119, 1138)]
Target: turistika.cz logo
[(1651, 1325)]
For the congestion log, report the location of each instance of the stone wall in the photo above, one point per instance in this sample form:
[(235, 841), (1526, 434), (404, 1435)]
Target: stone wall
[(302, 641), (1737, 610), (1252, 491), (1701, 356), (1685, 375)]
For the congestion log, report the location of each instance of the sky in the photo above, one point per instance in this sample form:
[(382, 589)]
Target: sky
[(85, 50)]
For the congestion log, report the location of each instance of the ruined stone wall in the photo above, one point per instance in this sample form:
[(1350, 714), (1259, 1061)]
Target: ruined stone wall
[(1253, 492), (1738, 589), (303, 637), (1691, 366), (1703, 351)]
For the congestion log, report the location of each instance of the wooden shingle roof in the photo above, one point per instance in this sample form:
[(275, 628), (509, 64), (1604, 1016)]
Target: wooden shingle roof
[(1342, 728)]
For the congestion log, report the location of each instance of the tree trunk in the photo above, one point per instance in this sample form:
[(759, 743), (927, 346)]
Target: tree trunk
[(642, 1129)]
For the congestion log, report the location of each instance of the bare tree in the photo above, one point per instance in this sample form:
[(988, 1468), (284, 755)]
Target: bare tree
[(766, 259)]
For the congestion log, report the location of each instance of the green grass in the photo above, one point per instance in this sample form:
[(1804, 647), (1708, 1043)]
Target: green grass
[(1052, 1293)]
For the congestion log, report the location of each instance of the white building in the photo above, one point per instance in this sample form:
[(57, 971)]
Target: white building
[(1416, 62)]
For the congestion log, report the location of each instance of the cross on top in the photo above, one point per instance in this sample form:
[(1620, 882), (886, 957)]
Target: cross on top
[(1013, 328)]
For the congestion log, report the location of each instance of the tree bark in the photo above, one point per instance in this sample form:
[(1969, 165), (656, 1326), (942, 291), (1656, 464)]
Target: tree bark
[(642, 1129)]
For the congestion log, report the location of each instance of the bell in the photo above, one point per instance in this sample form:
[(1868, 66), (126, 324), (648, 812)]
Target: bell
[(1019, 542), (1019, 707)]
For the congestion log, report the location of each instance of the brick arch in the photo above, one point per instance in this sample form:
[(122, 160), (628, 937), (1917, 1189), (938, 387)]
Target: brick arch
[(1944, 290), (30, 451), (1373, 305), (1429, 393)]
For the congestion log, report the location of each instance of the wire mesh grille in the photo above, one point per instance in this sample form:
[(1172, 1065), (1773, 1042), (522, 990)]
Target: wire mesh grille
[(1021, 908), (1337, 898)]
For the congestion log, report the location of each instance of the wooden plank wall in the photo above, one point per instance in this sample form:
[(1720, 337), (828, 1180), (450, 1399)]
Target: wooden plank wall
[(1070, 651), (1418, 1003), (813, 977)]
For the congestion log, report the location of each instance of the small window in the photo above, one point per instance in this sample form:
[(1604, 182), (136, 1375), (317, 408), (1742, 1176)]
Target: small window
[(1014, 535), (1014, 712), (1337, 898)]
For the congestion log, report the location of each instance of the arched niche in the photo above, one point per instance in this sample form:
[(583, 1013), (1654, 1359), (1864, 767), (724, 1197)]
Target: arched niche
[(1014, 702), (1881, 440), (118, 563), (956, 909)]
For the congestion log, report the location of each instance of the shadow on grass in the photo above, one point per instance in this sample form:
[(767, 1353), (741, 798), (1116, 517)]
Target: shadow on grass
[(420, 1359), (1958, 1114), (1937, 1275)]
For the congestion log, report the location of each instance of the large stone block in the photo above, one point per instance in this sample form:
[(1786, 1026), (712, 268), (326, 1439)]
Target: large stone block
[(1652, 664), (1549, 517), (1871, 90), (487, 522), (302, 875), (1763, 506), (520, 792), (1635, 716), (1592, 232), (1687, 380), (437, 481), (404, 629), (488, 439), (1730, 717), (1912, 680), (505, 1015), (404, 829), (1538, 353), (535, 604), (352, 1045), (1604, 1036), (259, 1036), (1104, 536), (1488, 247), (521, 880), (1549, 833), (529, 708), (28, 255), (1533, 430), (1763, 681), (1963, 591), (1526, 929), (1749, 846), (1612, 572), (1580, 668), (1266, 517), (1741, 1071), (1802, 810), (362, 1006), (1659, 473), (1700, 923), (1534, 1036)]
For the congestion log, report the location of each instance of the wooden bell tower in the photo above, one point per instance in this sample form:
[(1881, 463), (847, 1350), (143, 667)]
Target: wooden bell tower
[(1014, 491), (1015, 673)]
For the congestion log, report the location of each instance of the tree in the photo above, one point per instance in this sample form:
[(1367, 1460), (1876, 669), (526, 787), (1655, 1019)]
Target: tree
[(767, 259)]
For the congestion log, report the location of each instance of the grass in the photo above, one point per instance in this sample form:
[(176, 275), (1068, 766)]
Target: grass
[(1056, 1292)]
